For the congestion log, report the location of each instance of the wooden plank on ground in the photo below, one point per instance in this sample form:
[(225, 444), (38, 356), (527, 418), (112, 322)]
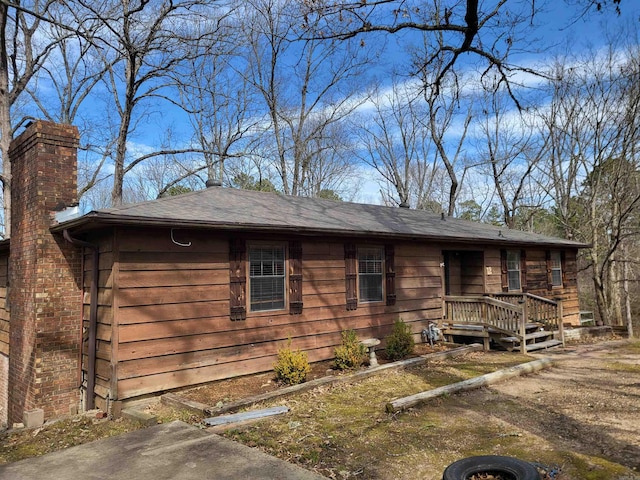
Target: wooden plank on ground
[(244, 416), (474, 383)]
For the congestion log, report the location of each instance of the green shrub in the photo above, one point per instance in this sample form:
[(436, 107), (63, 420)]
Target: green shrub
[(351, 354), (400, 343), (292, 366)]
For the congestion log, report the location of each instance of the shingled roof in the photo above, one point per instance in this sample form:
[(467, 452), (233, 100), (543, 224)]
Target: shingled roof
[(227, 208)]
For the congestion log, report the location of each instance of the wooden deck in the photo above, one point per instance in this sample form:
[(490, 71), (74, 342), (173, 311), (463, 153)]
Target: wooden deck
[(516, 322)]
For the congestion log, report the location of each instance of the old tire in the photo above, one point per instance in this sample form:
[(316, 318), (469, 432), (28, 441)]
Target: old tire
[(510, 468)]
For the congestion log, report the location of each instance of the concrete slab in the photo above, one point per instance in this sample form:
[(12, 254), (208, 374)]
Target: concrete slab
[(173, 451)]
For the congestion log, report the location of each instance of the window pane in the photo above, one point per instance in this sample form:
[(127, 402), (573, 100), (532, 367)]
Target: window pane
[(370, 274), (513, 269), (556, 269), (370, 288), (267, 293), (266, 271), (513, 261), (514, 280)]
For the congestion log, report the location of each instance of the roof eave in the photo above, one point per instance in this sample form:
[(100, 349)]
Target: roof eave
[(95, 220)]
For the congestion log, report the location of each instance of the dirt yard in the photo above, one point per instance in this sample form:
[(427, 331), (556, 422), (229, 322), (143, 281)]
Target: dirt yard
[(589, 403), (581, 418)]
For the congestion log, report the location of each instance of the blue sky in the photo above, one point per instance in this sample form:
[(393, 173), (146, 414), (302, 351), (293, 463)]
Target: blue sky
[(558, 29)]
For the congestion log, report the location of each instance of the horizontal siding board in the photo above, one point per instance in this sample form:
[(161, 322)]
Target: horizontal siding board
[(161, 295), (417, 282), (172, 311), (171, 261), (172, 278)]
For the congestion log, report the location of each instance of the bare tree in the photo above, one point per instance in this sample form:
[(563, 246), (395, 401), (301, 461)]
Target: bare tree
[(398, 146), (217, 96), (509, 154), (485, 31), (142, 42), (65, 84), (307, 86), (593, 139), (23, 52)]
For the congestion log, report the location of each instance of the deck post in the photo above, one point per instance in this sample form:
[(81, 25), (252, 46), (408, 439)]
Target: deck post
[(523, 325), (560, 319)]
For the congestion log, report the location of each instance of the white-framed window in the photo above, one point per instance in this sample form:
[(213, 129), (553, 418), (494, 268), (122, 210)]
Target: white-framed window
[(370, 274), (556, 269), (513, 270), (266, 277)]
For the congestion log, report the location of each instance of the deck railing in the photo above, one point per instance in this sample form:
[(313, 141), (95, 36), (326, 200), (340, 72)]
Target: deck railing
[(543, 311), (499, 314), (510, 313)]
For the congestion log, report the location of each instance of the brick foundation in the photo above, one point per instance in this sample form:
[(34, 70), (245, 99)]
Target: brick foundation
[(45, 275)]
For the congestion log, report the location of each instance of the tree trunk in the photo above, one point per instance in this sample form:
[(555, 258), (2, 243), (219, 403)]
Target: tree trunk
[(5, 120)]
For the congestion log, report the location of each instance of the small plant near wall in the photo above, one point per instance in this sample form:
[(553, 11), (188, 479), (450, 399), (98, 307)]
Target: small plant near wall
[(292, 366), (351, 354), (400, 343)]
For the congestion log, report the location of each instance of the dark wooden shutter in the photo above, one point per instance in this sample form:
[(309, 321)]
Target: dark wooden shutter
[(523, 270), (563, 266), (549, 270), (237, 279), (351, 275), (295, 278), (390, 274), (504, 271)]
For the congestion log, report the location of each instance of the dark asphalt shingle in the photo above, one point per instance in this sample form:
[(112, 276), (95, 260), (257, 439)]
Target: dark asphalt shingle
[(244, 209)]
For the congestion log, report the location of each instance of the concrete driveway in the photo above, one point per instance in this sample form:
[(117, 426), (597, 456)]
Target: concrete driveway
[(175, 451)]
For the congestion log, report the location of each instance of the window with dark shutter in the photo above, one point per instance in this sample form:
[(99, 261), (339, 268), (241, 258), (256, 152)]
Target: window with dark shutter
[(370, 274), (237, 279), (390, 274), (351, 275), (514, 270), (554, 269), (295, 278), (267, 277)]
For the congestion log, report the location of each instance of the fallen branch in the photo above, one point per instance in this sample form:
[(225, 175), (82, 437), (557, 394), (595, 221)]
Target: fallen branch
[(477, 382)]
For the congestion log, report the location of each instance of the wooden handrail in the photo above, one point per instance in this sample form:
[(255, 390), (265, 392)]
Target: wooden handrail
[(507, 316)]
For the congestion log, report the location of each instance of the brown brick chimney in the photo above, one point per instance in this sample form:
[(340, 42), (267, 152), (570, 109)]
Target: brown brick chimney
[(45, 295)]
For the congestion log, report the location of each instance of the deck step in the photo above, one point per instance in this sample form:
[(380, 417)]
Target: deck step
[(529, 336), (540, 345), (540, 334)]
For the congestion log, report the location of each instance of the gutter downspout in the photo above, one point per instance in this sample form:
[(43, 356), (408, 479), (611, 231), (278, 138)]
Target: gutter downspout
[(93, 318)]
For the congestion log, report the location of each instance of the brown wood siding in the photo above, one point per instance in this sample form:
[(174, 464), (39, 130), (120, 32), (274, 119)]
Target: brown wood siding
[(105, 314), (493, 270), (537, 278), (174, 324), (4, 314)]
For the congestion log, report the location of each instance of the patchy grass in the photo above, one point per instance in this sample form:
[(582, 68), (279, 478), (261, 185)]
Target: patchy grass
[(343, 431), (623, 367), (632, 348)]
